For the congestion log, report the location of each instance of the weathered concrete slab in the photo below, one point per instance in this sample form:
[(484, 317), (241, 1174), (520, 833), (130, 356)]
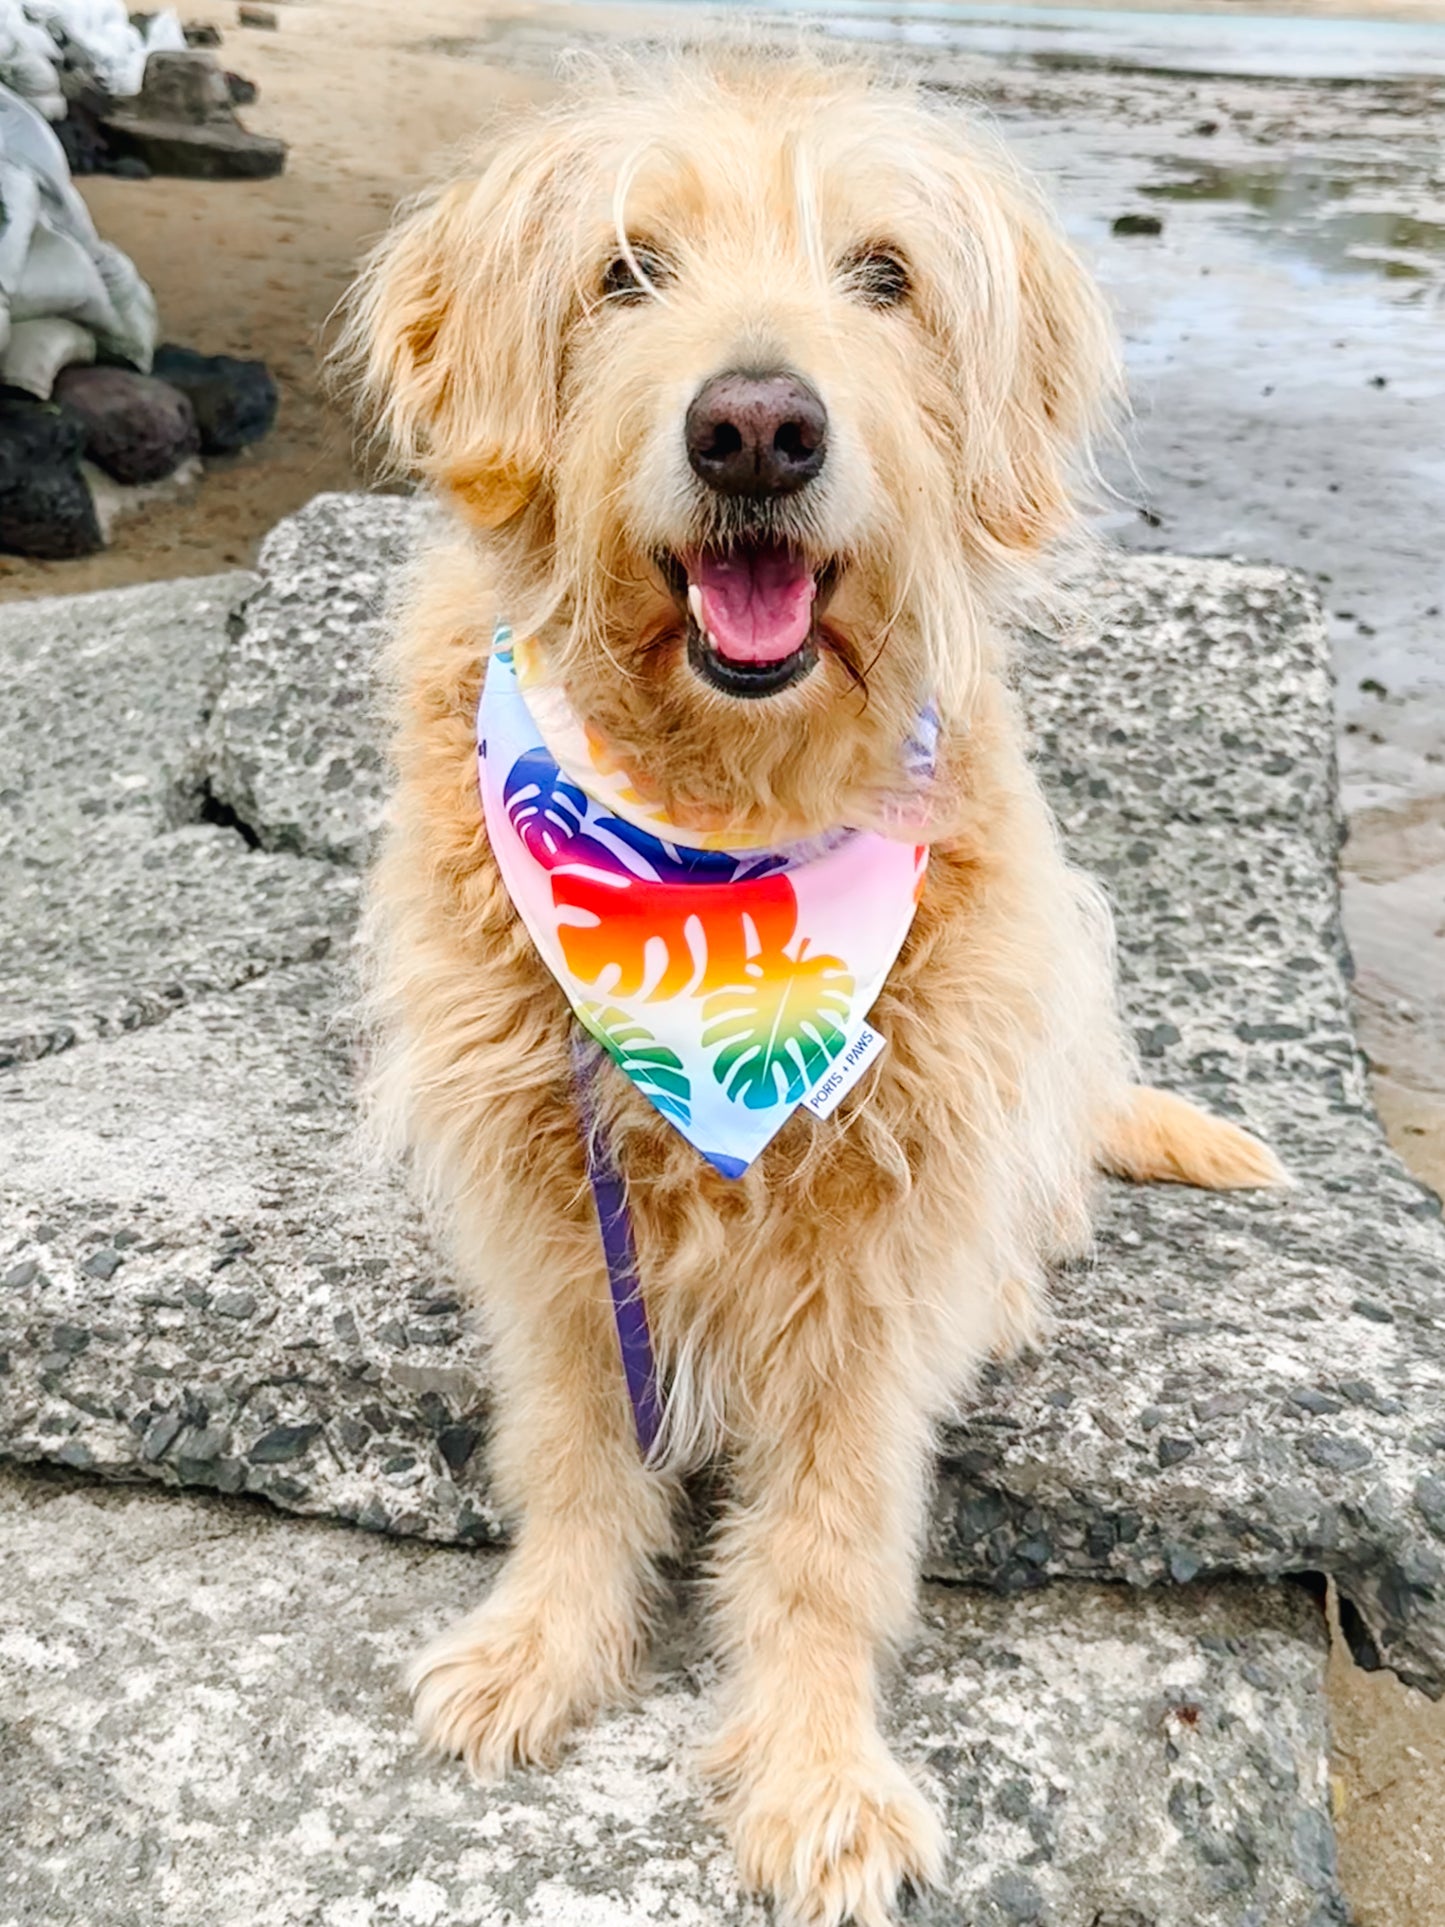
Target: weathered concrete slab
[(298, 756), (120, 903), (200, 1724), (1246, 1385), (215, 1289)]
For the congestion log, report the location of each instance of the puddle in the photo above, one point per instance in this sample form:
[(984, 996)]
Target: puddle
[(1349, 224)]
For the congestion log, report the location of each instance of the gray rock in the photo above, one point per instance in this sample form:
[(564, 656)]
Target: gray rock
[(183, 123), (220, 1141), (1173, 1426), (214, 151), (102, 707), (189, 86), (209, 1729), (145, 923), (138, 429)]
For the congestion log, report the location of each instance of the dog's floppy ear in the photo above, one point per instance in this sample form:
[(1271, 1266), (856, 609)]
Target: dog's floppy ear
[(1064, 380), (454, 331), (1034, 360)]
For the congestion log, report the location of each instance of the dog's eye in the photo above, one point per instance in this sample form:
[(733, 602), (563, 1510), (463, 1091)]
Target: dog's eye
[(877, 276), (621, 282)]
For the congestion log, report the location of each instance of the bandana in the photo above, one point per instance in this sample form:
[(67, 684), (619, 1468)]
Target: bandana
[(729, 984)]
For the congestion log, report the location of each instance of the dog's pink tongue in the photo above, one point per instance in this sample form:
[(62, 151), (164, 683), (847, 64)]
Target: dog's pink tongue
[(757, 601)]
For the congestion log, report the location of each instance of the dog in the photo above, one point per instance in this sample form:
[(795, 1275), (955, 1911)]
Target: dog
[(756, 389)]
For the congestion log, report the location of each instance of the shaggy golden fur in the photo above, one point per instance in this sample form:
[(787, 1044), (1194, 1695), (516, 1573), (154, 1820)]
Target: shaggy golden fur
[(815, 1319)]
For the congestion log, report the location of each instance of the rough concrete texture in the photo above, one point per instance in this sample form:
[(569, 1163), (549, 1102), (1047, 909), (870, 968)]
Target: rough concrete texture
[(121, 901), (1248, 1384), (213, 1288), (201, 1724), (297, 755)]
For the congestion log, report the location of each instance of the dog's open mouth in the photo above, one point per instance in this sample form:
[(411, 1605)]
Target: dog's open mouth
[(752, 611)]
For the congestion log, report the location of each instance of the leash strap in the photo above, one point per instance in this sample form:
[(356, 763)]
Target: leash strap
[(619, 1251)]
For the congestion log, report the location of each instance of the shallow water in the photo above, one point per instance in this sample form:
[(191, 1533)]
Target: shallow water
[(1345, 224), (1285, 47)]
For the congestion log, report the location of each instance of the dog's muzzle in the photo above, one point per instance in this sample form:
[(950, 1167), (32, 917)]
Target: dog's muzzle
[(754, 439)]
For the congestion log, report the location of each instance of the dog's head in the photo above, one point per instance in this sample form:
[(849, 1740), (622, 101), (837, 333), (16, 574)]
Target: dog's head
[(764, 381)]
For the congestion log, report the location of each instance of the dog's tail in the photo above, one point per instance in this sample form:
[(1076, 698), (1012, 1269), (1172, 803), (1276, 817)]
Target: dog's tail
[(1156, 1137)]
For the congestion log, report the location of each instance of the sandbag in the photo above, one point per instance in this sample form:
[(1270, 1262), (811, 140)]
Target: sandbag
[(54, 267)]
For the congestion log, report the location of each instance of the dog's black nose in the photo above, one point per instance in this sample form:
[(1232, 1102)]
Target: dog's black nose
[(756, 434)]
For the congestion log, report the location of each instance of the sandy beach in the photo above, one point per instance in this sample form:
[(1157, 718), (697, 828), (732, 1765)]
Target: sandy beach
[(374, 99), (254, 269)]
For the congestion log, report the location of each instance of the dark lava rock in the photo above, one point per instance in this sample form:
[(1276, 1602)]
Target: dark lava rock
[(46, 508), (183, 123), (137, 428), (262, 17), (1137, 224), (234, 401), (200, 33), (82, 136), (243, 92)]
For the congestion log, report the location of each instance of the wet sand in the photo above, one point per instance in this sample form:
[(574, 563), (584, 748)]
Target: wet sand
[(1255, 434)]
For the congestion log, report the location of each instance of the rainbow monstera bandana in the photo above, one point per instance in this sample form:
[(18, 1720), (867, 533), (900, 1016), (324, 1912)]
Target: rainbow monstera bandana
[(730, 985)]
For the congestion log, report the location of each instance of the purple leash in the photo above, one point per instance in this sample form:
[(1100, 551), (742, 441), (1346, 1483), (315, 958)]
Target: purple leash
[(619, 1250)]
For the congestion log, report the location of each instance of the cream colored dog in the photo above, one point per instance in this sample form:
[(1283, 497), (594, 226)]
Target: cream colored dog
[(778, 320)]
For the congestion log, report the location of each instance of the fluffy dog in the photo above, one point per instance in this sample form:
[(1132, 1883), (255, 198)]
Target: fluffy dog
[(755, 388)]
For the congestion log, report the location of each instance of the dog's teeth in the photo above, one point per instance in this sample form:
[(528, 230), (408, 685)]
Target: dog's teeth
[(694, 602)]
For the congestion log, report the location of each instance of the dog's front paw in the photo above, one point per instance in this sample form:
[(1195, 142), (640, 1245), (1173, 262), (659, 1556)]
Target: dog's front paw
[(834, 1842), (499, 1689)]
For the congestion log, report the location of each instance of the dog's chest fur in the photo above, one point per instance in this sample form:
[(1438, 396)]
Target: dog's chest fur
[(937, 1151)]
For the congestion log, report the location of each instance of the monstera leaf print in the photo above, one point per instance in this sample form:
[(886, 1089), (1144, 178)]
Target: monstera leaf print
[(681, 937), (554, 819), (778, 1030), (679, 863), (549, 814), (653, 1068)]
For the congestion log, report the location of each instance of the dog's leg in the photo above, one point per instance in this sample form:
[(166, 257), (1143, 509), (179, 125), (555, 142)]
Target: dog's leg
[(562, 1631), (815, 1581)]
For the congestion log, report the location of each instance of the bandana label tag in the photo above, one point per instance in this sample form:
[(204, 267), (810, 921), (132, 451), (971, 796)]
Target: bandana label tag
[(865, 1047)]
